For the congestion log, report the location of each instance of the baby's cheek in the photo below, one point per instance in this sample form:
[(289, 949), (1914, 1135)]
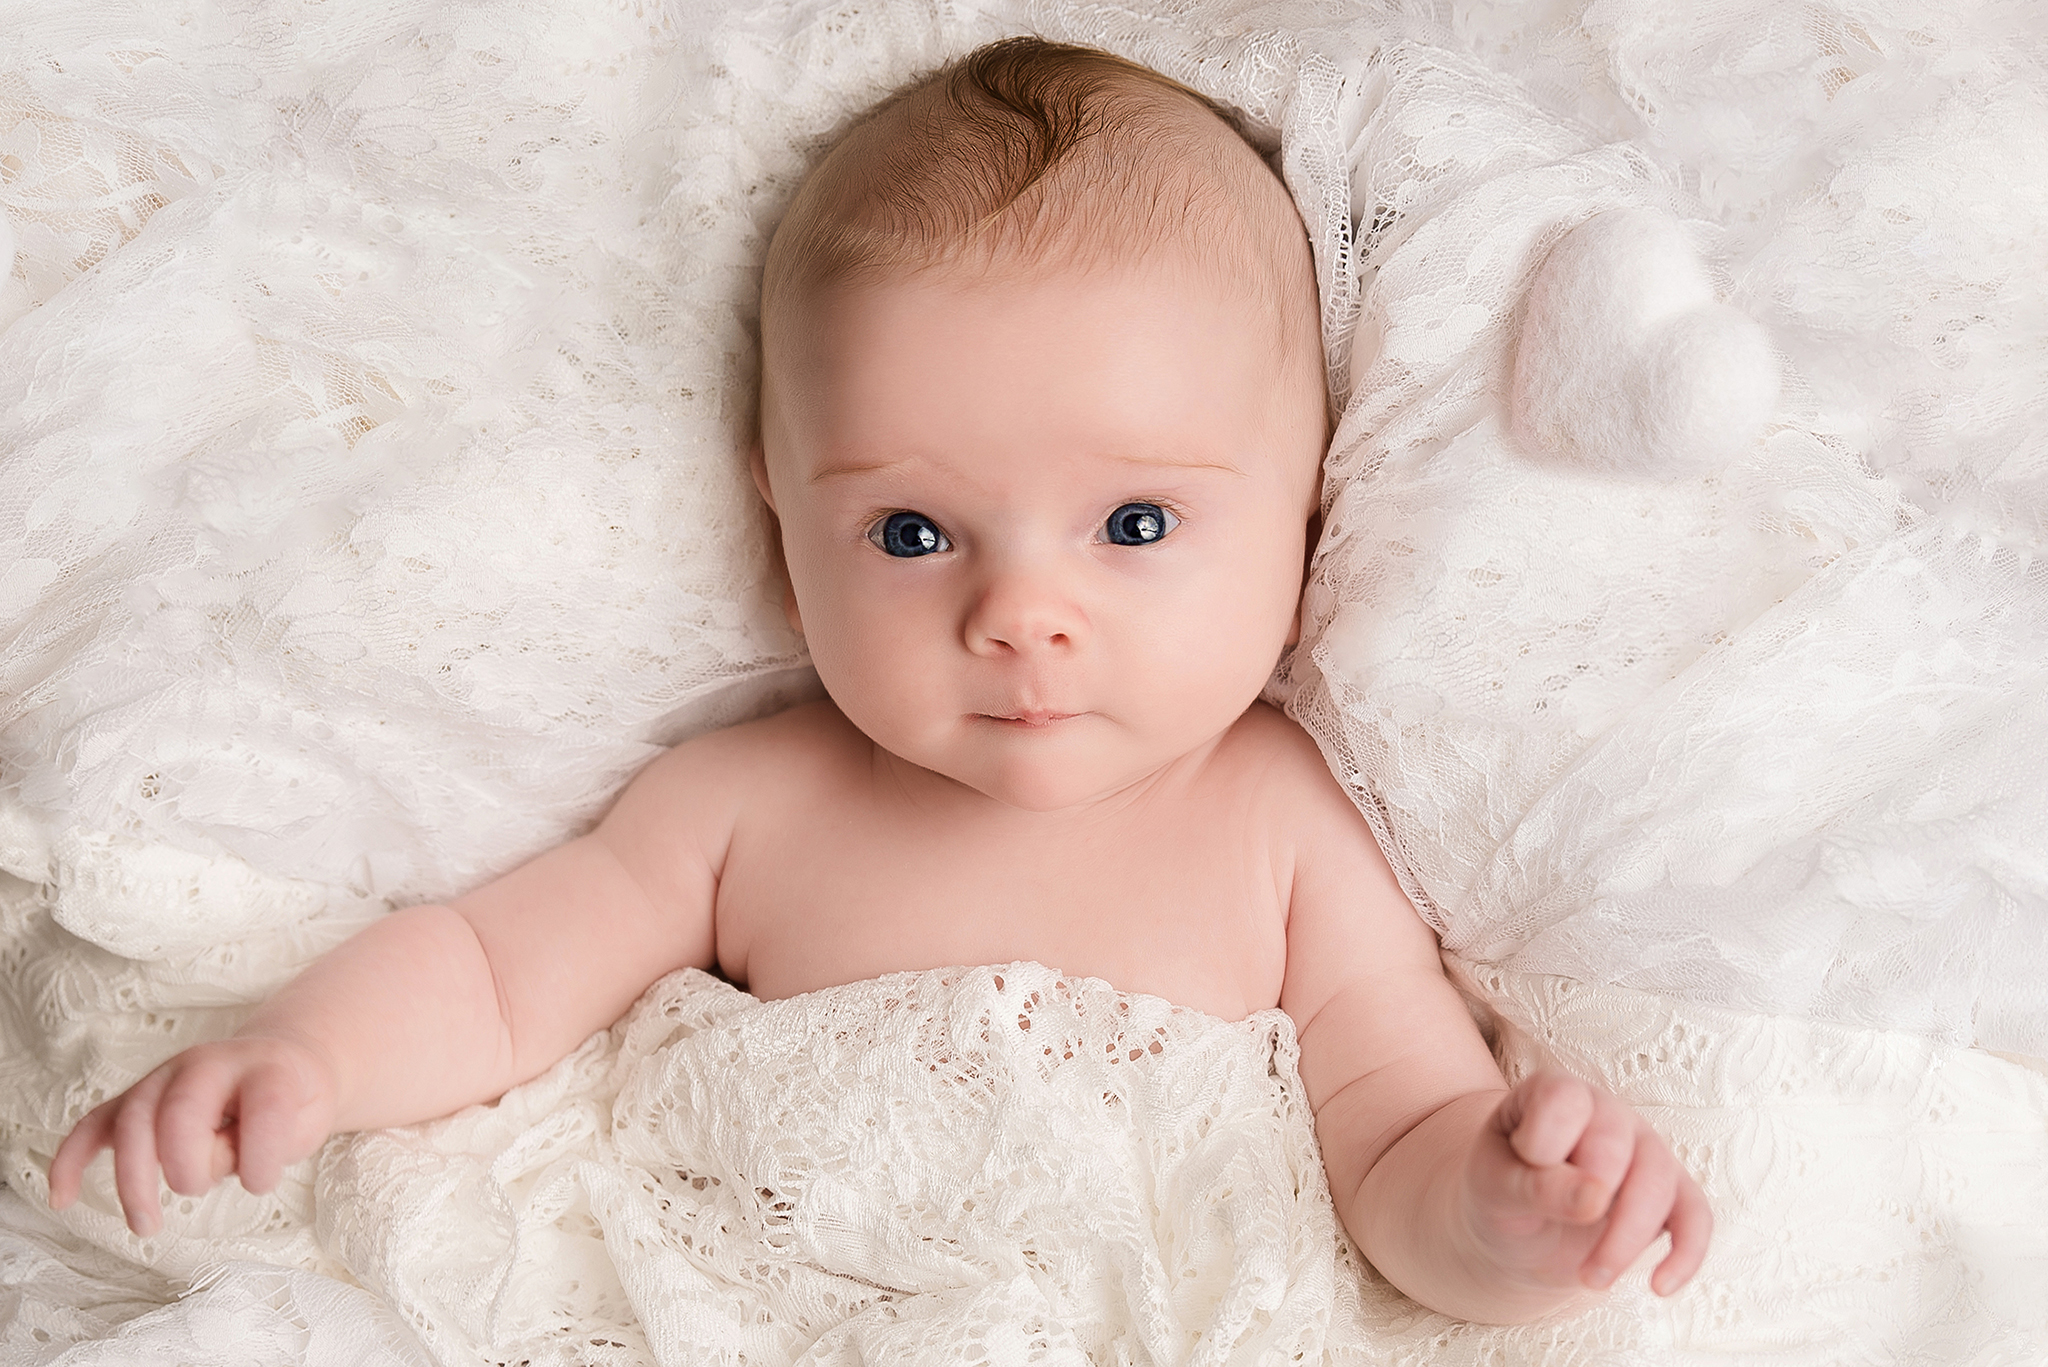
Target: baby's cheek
[(1242, 615), (1216, 664), (889, 681)]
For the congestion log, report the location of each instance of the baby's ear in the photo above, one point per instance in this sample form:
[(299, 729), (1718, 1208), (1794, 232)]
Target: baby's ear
[(757, 462), (1308, 555)]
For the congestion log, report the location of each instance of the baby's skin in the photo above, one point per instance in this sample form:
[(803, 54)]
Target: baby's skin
[(1045, 534)]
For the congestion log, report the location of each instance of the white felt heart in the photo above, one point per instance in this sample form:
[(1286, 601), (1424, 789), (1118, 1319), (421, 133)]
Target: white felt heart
[(1627, 362)]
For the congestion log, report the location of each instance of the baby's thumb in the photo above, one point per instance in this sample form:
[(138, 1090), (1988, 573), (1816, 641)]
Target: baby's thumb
[(1544, 1117)]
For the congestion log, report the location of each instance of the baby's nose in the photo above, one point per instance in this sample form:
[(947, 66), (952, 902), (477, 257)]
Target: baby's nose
[(1024, 612)]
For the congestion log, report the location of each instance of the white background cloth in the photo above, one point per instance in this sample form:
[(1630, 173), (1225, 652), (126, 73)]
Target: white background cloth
[(374, 386)]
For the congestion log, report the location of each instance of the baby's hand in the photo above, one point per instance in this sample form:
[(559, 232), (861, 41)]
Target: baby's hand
[(1568, 1186), (250, 1105)]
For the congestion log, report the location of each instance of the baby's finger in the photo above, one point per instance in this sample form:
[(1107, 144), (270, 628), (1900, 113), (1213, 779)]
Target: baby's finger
[(1691, 1224), (266, 1126), (1544, 1117), (188, 1118), (1607, 1147), (75, 1154), (1507, 1186), (1637, 1216), (135, 1167)]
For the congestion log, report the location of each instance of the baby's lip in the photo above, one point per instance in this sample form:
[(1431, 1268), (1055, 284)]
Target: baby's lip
[(1030, 716)]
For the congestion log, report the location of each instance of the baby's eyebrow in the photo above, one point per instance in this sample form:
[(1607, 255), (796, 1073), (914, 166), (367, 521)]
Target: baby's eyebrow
[(1177, 462), (839, 469)]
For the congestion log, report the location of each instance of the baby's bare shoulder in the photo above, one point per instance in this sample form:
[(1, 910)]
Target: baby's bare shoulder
[(788, 749), (809, 732), (706, 784), (1317, 831), (1283, 765)]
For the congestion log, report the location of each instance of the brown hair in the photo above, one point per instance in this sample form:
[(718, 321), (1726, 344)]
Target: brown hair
[(1026, 150)]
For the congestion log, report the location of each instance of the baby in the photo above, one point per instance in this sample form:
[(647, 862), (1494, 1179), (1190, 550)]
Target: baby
[(1042, 418)]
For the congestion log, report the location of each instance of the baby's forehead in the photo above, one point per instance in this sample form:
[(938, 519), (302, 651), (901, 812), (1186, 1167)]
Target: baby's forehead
[(1139, 315), (1132, 267), (1212, 283), (1141, 371)]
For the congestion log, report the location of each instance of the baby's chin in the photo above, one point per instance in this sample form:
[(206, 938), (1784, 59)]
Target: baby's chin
[(1049, 765)]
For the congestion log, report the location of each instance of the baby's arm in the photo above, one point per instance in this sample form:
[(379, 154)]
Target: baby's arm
[(433, 1007), (1481, 1202)]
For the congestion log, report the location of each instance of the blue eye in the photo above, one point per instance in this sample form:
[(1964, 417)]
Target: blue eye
[(909, 534), (1138, 524)]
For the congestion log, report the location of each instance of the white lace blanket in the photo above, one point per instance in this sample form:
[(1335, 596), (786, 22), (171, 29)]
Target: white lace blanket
[(1007, 1166), (989, 1164)]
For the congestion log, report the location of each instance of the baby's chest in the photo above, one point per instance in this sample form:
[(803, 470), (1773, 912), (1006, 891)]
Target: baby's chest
[(1195, 914)]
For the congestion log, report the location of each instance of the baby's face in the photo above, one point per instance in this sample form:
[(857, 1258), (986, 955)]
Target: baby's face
[(1044, 535)]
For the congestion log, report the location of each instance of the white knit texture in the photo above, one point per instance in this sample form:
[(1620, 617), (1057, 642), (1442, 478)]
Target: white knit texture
[(1625, 360)]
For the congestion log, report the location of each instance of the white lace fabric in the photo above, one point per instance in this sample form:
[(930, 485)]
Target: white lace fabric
[(914, 1169), (374, 388), (1004, 1164), (1007, 1165), (1759, 735)]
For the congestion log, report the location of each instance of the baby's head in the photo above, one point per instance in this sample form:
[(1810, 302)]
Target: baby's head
[(1042, 419)]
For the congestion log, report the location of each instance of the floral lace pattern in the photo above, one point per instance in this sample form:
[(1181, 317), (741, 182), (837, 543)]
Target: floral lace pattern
[(1755, 735), (1009, 1165), (984, 1164)]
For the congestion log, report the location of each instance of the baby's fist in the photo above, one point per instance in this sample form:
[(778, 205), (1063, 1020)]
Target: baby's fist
[(1571, 1186), (249, 1105)]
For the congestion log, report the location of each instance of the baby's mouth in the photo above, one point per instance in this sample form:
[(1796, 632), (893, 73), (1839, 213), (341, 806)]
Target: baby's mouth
[(1033, 718)]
